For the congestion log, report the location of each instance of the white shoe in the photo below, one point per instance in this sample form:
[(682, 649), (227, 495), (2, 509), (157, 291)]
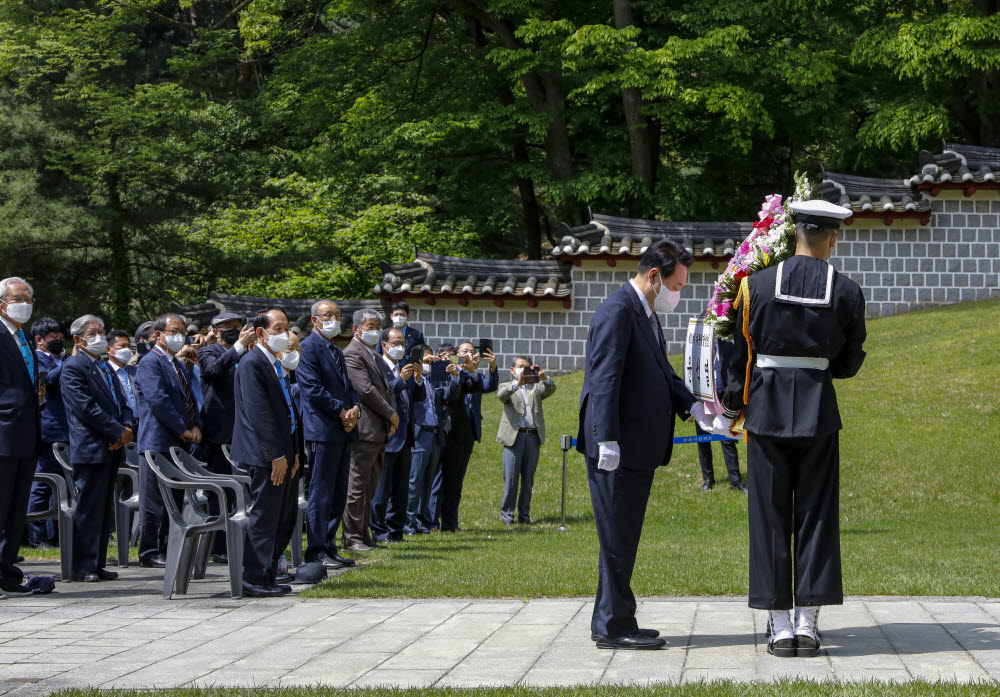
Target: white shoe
[(780, 634)]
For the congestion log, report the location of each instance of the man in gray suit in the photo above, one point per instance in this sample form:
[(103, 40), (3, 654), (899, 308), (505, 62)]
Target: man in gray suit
[(377, 423), (522, 432)]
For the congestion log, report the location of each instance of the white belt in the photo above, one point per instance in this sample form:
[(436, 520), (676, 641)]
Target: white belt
[(765, 361)]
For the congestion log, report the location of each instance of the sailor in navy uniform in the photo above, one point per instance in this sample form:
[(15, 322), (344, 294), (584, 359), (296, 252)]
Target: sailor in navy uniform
[(806, 327)]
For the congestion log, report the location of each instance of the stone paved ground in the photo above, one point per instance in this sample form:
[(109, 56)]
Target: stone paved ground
[(123, 634)]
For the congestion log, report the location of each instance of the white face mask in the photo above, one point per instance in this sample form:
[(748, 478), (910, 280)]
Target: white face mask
[(175, 342), (330, 328), (97, 344), (124, 355), (290, 361), (19, 312), (399, 321), (277, 342), (518, 372), (426, 369), (395, 352), (666, 300), (370, 337)]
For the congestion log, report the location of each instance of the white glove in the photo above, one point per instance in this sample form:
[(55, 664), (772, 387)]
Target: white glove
[(702, 417), (608, 456), (722, 426)]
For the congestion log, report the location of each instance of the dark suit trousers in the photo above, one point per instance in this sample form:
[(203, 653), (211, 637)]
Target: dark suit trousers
[(729, 455), (389, 503), (289, 509), (619, 498), (17, 474), (329, 467), (153, 520), (264, 521), (95, 515), (454, 464), (366, 469), (40, 500), (217, 462), (794, 490)]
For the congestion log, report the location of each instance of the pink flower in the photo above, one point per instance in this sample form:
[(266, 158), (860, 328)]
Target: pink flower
[(764, 248), (724, 308), (745, 248)]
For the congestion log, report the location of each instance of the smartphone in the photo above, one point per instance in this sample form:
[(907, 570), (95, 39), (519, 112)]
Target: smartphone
[(530, 375), (484, 346), (43, 375), (455, 358), (417, 356), (439, 370)]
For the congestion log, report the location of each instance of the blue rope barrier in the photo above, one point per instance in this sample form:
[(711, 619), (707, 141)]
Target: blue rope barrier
[(679, 440)]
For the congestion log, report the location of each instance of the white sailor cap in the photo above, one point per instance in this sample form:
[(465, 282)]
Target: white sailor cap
[(819, 212)]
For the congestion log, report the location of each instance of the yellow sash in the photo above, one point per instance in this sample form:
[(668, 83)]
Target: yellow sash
[(744, 296)]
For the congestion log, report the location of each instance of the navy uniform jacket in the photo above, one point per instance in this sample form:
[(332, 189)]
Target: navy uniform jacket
[(20, 429), (409, 398), (163, 408), (413, 338), (218, 370), (631, 393), (262, 430), (815, 313), (53, 416), (95, 418), (326, 389)]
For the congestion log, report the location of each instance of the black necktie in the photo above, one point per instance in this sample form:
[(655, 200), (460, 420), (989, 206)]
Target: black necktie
[(192, 415), (658, 332)]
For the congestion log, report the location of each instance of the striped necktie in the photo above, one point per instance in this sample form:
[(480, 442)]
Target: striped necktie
[(192, 408)]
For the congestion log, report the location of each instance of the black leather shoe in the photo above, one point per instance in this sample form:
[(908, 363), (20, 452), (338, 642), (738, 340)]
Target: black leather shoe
[(106, 575), (782, 648), (285, 590), (91, 577), (283, 578), (328, 561), (252, 591), (220, 558), (157, 561), (650, 633), (739, 487), (18, 559), (806, 646), (635, 642), (344, 561), (706, 486)]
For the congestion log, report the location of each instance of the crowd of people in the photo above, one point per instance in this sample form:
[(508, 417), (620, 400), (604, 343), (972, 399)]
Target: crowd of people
[(382, 431)]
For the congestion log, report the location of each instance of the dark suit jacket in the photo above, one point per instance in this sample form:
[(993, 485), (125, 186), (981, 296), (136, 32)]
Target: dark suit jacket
[(218, 370), (262, 429), (326, 390), (20, 429), (53, 416), (162, 405), (460, 406), (94, 417), (378, 403), (409, 397), (630, 391)]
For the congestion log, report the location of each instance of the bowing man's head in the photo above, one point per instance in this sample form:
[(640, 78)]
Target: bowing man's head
[(663, 272)]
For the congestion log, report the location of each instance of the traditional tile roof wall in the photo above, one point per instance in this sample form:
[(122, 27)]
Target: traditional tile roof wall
[(958, 166), (870, 195), (431, 275), (606, 237)]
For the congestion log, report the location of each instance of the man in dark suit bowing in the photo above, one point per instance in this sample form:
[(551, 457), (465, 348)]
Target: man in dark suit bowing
[(630, 398), (100, 426), (330, 411), (264, 442), (19, 424)]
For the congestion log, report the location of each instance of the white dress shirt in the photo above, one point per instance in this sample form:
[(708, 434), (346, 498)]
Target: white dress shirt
[(645, 303), (527, 418)]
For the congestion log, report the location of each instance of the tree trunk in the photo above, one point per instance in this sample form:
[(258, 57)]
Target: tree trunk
[(120, 284), (531, 219)]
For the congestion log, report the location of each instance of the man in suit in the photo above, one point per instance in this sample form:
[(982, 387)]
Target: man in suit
[(391, 495), (379, 421), (466, 414), (20, 408), (218, 363), (521, 432), (169, 416), (729, 453), (264, 442), (399, 316), (630, 398), (43, 534), (330, 411), (291, 359), (100, 426), (119, 354)]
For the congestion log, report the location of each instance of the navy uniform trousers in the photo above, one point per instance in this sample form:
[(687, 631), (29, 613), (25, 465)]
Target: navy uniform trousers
[(794, 490), (95, 515), (619, 498)]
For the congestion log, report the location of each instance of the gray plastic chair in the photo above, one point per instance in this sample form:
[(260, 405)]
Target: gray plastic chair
[(62, 510), (187, 526), (126, 504), (235, 465), (132, 461), (61, 452)]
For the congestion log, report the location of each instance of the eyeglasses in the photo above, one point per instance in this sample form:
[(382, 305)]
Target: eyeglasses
[(19, 299)]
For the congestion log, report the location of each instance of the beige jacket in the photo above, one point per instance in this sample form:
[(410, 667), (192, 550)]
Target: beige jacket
[(514, 406)]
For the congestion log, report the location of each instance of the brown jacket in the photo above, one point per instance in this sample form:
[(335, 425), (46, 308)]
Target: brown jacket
[(370, 381)]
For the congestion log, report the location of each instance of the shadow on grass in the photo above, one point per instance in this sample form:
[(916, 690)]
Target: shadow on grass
[(858, 531)]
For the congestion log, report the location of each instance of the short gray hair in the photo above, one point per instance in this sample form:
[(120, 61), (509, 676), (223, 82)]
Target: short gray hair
[(7, 282), (364, 314), (76, 329), (315, 306)]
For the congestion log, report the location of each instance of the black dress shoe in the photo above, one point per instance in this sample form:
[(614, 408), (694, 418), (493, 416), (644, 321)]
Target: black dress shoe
[(90, 577), (806, 646), (650, 633), (157, 561), (18, 559), (344, 561), (285, 590), (328, 561), (739, 487), (707, 486), (635, 642), (220, 558), (252, 591), (283, 578), (106, 575)]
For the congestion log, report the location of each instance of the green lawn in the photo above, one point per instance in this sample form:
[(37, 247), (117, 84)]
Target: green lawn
[(920, 488)]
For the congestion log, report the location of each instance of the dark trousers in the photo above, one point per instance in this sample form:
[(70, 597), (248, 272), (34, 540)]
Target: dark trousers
[(366, 469), (729, 455), (519, 464), (425, 464), (216, 462), (95, 515), (264, 521), (289, 509), (40, 500), (329, 468), (16, 474), (619, 498), (437, 485), (153, 520), (454, 464), (389, 502), (794, 491)]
